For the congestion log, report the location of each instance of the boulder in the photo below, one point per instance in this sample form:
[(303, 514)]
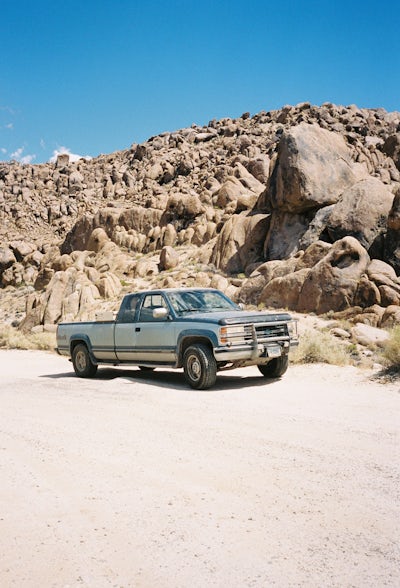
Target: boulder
[(21, 249), (53, 300), (62, 160), (78, 236), (230, 191), (369, 336), (43, 278), (382, 273), (146, 268), (169, 258), (392, 239), (277, 268), (219, 282), (316, 227), (313, 254), (313, 169), (62, 262), (389, 296), (97, 240), (70, 306), (332, 283), (240, 242), (369, 316), (391, 317), (247, 179), (181, 206), (392, 148), (259, 168), (284, 234), (109, 285), (7, 258), (362, 212), (250, 291), (284, 292), (367, 293)]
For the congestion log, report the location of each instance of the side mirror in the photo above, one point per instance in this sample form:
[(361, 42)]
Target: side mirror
[(160, 313)]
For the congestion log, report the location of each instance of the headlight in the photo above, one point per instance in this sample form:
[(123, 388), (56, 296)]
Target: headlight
[(234, 335), (292, 328)]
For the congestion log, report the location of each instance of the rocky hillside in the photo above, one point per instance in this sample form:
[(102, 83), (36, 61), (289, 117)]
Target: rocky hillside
[(295, 208)]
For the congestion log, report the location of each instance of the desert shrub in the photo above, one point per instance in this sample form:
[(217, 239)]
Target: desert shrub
[(11, 338), (320, 347), (391, 349)]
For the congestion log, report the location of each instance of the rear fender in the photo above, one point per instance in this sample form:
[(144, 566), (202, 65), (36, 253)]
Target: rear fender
[(82, 338)]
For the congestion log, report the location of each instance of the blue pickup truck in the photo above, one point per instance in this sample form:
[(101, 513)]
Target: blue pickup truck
[(198, 329)]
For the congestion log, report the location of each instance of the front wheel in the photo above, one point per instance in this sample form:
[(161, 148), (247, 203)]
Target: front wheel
[(83, 365), (275, 368), (200, 366)]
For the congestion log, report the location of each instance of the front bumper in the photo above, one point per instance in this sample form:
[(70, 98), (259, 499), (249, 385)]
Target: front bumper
[(260, 351)]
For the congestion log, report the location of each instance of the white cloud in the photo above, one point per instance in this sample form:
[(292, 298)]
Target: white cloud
[(72, 156), (17, 155), (4, 151), (9, 126)]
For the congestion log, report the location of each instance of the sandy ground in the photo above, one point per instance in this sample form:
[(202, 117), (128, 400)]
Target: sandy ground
[(135, 480)]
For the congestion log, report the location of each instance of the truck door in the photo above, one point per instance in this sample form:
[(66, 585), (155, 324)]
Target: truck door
[(155, 336)]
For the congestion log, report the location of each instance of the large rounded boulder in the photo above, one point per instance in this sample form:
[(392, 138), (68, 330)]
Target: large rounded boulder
[(332, 283)]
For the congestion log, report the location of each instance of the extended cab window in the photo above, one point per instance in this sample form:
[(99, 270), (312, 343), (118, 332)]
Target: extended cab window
[(151, 302), (127, 313)]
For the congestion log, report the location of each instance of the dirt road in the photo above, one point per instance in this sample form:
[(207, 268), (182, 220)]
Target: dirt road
[(134, 480)]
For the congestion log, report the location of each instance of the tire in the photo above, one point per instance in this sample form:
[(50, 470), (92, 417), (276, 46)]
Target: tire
[(146, 368), (200, 366), (83, 365), (275, 368)]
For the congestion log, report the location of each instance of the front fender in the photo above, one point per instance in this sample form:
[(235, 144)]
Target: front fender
[(191, 336)]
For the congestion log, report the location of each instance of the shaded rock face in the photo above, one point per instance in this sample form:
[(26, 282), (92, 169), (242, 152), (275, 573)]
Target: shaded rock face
[(297, 199), (240, 242)]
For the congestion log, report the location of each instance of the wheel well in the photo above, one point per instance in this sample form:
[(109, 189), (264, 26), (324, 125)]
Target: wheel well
[(188, 341), (77, 342)]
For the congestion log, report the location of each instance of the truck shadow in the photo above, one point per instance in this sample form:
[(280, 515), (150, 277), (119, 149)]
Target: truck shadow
[(172, 379)]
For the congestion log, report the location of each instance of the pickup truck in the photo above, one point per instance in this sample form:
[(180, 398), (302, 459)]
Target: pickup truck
[(199, 329)]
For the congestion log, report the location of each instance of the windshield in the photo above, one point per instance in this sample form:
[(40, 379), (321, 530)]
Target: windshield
[(200, 301)]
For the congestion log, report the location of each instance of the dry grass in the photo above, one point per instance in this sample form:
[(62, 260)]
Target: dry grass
[(391, 350), (320, 347), (11, 338)]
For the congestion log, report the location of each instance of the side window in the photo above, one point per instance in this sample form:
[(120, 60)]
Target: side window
[(128, 309), (151, 302)]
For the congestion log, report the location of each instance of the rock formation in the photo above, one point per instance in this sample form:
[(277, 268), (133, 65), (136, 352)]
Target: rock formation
[(296, 208)]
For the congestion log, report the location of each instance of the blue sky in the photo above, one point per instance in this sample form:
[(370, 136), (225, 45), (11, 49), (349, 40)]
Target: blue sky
[(94, 77)]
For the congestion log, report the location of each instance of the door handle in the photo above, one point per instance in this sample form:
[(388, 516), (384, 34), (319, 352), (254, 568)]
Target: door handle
[(137, 329)]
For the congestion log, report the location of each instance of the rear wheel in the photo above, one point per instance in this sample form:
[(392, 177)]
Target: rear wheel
[(199, 366), (83, 365), (275, 368)]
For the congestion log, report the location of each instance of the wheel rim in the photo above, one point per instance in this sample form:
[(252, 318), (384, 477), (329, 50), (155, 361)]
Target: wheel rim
[(80, 360), (194, 367)]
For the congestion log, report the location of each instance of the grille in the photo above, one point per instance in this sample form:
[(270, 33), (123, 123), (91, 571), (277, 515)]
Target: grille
[(242, 334), (265, 332)]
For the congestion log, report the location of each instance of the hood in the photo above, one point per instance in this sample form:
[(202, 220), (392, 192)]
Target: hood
[(236, 317)]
